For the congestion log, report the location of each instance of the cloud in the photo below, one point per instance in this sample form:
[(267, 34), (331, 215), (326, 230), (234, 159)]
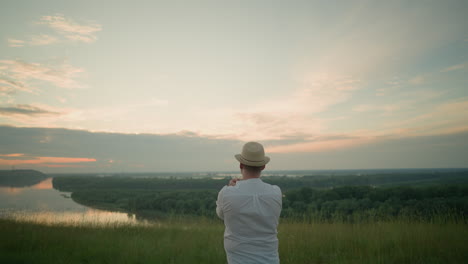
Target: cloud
[(42, 161), (418, 80), (12, 155), (61, 99), (71, 29), (15, 42), (43, 39), (265, 119), (40, 115), (21, 75), (64, 150), (321, 145), (66, 28), (22, 109), (386, 108), (444, 118), (297, 112), (10, 86), (128, 151), (454, 68)]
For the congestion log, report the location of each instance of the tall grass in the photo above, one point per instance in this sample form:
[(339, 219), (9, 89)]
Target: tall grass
[(200, 240)]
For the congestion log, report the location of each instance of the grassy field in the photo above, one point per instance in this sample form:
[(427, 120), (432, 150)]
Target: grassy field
[(200, 241)]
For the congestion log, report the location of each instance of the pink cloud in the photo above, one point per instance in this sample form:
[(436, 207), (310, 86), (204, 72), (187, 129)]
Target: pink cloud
[(15, 42), (418, 80), (71, 29), (42, 39), (12, 155), (10, 86), (320, 145), (454, 67), (43, 161), (22, 74), (445, 118)]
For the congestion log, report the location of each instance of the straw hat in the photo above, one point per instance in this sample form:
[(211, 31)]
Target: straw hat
[(253, 154)]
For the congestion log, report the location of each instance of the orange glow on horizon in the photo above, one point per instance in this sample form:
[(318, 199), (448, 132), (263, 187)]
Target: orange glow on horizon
[(63, 166), (12, 155), (45, 161), (319, 146)]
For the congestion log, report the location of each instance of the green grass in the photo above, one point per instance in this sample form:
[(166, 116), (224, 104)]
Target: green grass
[(200, 241)]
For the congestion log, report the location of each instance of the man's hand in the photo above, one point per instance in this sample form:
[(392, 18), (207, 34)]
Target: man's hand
[(233, 182)]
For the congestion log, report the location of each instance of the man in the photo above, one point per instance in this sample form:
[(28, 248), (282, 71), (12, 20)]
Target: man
[(250, 209)]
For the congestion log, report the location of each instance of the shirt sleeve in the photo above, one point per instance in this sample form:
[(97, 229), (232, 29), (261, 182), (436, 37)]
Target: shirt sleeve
[(280, 195), (219, 204)]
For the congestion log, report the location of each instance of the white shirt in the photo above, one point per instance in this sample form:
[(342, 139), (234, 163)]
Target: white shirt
[(250, 211)]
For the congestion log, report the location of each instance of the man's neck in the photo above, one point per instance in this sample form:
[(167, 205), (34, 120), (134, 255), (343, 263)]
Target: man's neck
[(250, 176)]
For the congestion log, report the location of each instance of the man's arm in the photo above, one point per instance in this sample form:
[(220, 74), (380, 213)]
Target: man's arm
[(219, 204)]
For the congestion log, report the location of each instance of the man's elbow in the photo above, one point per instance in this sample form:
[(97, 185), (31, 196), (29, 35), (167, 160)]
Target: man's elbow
[(220, 213)]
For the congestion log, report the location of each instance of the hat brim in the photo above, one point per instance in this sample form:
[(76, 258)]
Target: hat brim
[(250, 162)]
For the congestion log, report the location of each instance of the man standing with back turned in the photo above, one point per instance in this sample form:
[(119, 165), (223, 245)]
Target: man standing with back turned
[(250, 209)]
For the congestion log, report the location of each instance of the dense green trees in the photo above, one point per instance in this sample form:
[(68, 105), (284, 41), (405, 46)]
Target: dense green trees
[(21, 178), (150, 203), (352, 203), (74, 183), (160, 197)]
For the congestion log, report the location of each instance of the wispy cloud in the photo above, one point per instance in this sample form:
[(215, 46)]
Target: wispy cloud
[(23, 109), (24, 76), (12, 155), (443, 118), (297, 112), (274, 118), (187, 152), (66, 28), (11, 86), (387, 108), (321, 145), (43, 39), (22, 159), (35, 114), (454, 67), (70, 29), (15, 42), (418, 80)]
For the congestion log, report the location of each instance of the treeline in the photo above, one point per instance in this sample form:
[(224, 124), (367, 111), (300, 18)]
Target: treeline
[(71, 184), (349, 203), (74, 183), (150, 204), (20, 178), (344, 198), (358, 203)]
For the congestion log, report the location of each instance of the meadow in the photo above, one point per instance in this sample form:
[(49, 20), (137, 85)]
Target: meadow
[(387, 218), (199, 240)]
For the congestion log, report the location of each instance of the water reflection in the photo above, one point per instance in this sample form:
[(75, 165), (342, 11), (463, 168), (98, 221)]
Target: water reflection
[(43, 185), (89, 217), (41, 203)]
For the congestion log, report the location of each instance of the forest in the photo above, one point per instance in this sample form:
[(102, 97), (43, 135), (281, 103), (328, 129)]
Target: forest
[(318, 198), (20, 178)]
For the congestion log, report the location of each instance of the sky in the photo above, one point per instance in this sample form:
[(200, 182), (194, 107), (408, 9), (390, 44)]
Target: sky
[(111, 86)]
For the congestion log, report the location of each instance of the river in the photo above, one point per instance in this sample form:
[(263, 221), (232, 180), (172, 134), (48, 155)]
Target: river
[(42, 203)]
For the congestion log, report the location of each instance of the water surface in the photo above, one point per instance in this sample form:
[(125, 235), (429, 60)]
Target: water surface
[(42, 203)]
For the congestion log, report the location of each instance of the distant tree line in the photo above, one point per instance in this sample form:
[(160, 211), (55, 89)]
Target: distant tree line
[(21, 178), (74, 183), (347, 203), (361, 203), (150, 204)]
